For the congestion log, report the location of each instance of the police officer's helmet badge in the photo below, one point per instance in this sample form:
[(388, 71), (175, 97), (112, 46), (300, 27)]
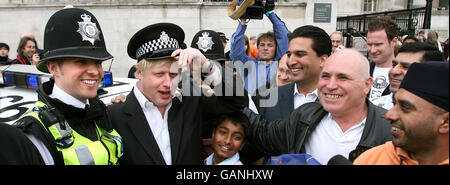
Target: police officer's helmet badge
[(88, 30), (164, 37), (205, 42)]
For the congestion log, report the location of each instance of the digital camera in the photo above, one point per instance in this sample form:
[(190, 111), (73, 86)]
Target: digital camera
[(257, 10)]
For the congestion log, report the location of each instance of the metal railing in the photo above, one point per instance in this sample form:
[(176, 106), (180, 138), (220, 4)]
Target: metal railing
[(232, 0), (217, 0), (408, 21)]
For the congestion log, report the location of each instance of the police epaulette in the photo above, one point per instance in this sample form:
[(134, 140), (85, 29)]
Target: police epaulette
[(24, 122), (29, 124)]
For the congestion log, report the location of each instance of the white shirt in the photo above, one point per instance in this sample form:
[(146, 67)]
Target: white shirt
[(251, 105), (158, 124), (58, 93), (233, 160), (300, 99), (380, 82), (385, 101), (328, 140)]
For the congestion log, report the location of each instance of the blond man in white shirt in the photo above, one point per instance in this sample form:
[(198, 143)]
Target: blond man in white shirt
[(160, 124)]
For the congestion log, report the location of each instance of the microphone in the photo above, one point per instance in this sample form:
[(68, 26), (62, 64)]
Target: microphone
[(339, 160)]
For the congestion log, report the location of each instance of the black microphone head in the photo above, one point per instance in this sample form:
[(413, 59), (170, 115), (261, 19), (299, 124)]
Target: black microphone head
[(339, 160)]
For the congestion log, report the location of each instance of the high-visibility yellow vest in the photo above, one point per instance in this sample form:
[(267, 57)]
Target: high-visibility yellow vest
[(77, 149)]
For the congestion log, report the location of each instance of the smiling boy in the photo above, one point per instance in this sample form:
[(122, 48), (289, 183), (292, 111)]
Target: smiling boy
[(228, 139)]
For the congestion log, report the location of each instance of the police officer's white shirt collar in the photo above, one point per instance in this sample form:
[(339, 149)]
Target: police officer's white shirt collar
[(58, 93)]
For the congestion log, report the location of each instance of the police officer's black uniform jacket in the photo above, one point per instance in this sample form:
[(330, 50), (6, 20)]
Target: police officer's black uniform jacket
[(81, 120), (289, 135)]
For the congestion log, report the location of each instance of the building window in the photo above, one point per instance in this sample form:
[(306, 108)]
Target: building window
[(370, 5), (443, 4), (409, 4)]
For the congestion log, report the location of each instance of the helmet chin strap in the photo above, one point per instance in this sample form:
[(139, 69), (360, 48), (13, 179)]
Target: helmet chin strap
[(110, 64)]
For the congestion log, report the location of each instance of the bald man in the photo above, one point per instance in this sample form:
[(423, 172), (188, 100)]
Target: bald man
[(344, 122), (284, 74), (337, 41)]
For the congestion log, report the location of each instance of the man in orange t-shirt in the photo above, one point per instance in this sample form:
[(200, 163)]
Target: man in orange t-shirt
[(420, 120)]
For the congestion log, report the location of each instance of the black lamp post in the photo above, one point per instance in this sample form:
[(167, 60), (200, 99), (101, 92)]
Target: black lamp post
[(427, 21)]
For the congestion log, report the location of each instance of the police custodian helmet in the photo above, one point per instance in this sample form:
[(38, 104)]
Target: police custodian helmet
[(73, 33), (210, 44)]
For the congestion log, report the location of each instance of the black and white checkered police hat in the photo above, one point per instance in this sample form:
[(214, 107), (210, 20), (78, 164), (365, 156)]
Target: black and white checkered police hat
[(156, 41), (73, 33)]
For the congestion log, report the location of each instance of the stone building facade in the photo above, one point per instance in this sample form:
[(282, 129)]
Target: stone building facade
[(120, 19)]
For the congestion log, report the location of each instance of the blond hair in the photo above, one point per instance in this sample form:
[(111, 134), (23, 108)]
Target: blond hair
[(144, 64)]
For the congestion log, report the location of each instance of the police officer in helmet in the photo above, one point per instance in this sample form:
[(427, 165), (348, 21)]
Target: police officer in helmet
[(69, 124)]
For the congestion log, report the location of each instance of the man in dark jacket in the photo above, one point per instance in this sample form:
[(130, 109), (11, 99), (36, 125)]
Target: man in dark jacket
[(160, 124), (344, 122), (309, 47)]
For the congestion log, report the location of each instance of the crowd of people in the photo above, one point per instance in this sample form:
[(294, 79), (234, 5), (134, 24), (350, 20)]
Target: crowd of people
[(293, 92)]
